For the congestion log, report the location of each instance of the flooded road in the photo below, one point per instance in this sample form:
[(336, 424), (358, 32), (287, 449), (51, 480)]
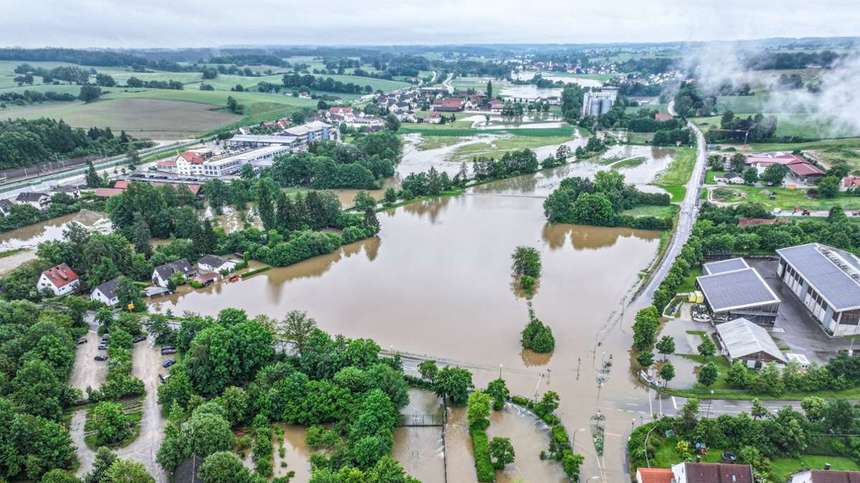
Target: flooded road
[(437, 281)]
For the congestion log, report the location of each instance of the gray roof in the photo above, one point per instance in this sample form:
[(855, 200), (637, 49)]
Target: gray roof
[(6, 204), (109, 288), (29, 196), (833, 273), (181, 265), (742, 338), (263, 139), (736, 289), (212, 260), (725, 266)]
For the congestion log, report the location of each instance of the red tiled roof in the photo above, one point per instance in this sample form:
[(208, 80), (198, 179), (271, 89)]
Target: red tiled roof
[(340, 110), (206, 277), (167, 164), (60, 275), (654, 475), (450, 102), (851, 181), (107, 192), (796, 164), (192, 157), (193, 188), (662, 117), (805, 169), (121, 184)]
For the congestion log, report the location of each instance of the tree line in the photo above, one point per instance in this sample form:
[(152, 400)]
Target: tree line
[(311, 82)]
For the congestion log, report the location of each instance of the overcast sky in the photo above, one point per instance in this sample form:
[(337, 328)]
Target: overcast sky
[(212, 23)]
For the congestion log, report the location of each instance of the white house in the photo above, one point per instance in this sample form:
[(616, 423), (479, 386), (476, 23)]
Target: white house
[(6, 207), (214, 263), (106, 293), (59, 280), (161, 274), (40, 201)]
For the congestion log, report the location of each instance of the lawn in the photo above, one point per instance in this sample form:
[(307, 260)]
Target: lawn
[(652, 210), (674, 179), (628, 163), (689, 283), (789, 199), (782, 468), (791, 125), (384, 85), (496, 147)]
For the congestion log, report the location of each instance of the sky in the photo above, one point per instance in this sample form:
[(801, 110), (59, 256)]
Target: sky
[(213, 23)]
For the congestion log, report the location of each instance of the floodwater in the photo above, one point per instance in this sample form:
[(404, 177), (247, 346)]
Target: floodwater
[(530, 92), (582, 81), (296, 455), (437, 281), (420, 450)]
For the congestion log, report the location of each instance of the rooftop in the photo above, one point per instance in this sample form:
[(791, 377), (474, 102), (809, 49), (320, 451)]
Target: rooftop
[(109, 288), (742, 338), (736, 289), (829, 476), (834, 273), (60, 275), (718, 473), (725, 266), (655, 475)]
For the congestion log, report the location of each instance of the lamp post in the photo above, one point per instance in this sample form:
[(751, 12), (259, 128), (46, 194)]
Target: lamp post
[(500, 371)]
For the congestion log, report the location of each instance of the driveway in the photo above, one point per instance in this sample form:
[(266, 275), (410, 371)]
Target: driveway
[(87, 372)]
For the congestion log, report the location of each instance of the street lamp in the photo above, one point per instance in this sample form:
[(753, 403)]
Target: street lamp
[(500, 371)]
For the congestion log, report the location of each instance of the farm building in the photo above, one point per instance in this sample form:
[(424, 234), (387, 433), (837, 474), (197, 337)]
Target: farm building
[(449, 104), (733, 289), (748, 342), (799, 169), (827, 281)]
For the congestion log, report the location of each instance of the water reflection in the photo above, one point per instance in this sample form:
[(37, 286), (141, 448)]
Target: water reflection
[(584, 237)]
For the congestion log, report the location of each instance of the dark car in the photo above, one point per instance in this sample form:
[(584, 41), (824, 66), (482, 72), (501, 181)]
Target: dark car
[(82, 340), (729, 457), (168, 363), (102, 347), (168, 350), (139, 338), (101, 358)]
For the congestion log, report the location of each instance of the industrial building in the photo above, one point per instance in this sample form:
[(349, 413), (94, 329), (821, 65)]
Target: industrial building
[(827, 281), (598, 102), (732, 289), (745, 341)]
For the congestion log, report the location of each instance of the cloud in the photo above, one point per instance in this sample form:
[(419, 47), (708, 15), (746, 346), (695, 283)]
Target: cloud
[(196, 23)]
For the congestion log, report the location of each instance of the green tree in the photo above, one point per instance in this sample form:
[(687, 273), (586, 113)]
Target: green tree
[(645, 359), (93, 179), (129, 294), (526, 261), (390, 195), (266, 192), (297, 327), (489, 90), (708, 374), (498, 390), (428, 370), (364, 201), (666, 345), (103, 460), (89, 93), (774, 174), (126, 471), (108, 423), (501, 452), (593, 209), (667, 373), (59, 476), (453, 383), (392, 123), (707, 347), (828, 187), (478, 410), (750, 176), (758, 411), (645, 326), (224, 467)]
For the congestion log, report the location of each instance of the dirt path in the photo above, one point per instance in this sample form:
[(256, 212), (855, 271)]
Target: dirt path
[(86, 456)]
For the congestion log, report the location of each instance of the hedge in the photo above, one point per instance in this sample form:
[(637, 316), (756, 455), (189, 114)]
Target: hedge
[(481, 449)]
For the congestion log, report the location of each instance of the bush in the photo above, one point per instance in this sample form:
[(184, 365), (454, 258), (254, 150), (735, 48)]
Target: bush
[(481, 450), (108, 423), (537, 336)]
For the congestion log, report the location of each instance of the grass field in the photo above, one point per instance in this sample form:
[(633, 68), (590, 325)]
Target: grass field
[(628, 163), (791, 125), (652, 210), (674, 179), (788, 199), (477, 83)]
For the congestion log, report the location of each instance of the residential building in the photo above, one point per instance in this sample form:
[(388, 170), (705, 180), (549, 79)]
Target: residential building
[(191, 163), (161, 274), (59, 280), (654, 475), (598, 102), (206, 278), (40, 201), (849, 183), (260, 140), (6, 207), (733, 289), (745, 341), (106, 292), (312, 132), (827, 282), (712, 473), (214, 263), (826, 476), (449, 104), (800, 170)]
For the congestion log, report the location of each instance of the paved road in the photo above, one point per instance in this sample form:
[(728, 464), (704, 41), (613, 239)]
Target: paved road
[(687, 217), (88, 372)]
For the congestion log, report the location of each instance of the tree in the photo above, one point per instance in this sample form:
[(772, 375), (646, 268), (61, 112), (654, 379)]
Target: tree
[(478, 410), (126, 471), (489, 89), (758, 411), (593, 209), (498, 390), (129, 294), (645, 327), (707, 347), (89, 93), (828, 187), (297, 328), (133, 158), (428, 370), (453, 383), (108, 423), (224, 467), (206, 433), (708, 374), (93, 179), (364, 201), (390, 196), (547, 405), (667, 373), (750, 176), (392, 123), (666, 345), (774, 174), (266, 190), (537, 336), (59, 476), (234, 106), (526, 262), (103, 460), (501, 452), (645, 359)]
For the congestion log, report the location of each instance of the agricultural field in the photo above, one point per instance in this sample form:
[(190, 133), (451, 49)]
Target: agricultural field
[(376, 84), (791, 125)]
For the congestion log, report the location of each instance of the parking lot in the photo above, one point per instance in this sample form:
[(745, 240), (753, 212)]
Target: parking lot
[(87, 372)]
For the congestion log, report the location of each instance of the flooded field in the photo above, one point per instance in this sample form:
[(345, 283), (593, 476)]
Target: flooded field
[(436, 281)]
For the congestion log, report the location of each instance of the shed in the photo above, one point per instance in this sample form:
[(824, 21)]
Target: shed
[(746, 341)]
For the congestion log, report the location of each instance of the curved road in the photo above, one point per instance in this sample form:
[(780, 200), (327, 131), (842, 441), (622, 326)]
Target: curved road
[(687, 217)]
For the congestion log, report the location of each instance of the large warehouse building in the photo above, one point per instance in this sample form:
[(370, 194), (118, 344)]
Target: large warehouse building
[(827, 281), (733, 289)]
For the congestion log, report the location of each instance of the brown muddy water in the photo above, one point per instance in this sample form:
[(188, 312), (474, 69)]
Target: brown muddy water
[(436, 281)]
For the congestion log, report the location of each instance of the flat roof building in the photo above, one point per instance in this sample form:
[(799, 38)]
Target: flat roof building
[(746, 341), (827, 281), (733, 289)]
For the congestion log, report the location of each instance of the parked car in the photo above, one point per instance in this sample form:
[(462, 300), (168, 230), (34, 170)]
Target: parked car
[(82, 340), (102, 347), (101, 357), (729, 457), (168, 363), (166, 350), (139, 338)]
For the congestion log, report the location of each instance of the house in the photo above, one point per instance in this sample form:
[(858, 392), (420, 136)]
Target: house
[(190, 163), (214, 263), (712, 473), (745, 341), (40, 201), (449, 104), (653, 475), (312, 132), (662, 117), (849, 183), (827, 281), (6, 207), (106, 292), (161, 274), (73, 191), (59, 280), (496, 106), (206, 279), (799, 169), (826, 476), (733, 289)]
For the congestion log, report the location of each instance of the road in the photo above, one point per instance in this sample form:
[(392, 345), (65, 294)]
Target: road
[(687, 216), (447, 83)]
